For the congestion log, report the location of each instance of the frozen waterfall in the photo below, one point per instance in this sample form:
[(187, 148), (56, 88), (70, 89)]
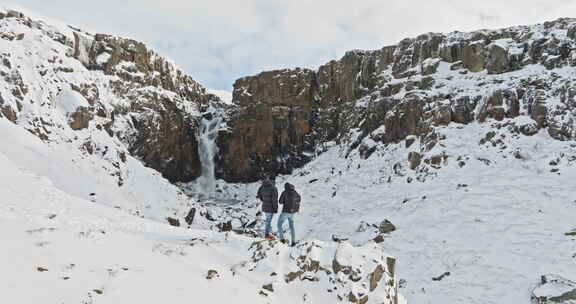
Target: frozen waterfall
[(207, 150)]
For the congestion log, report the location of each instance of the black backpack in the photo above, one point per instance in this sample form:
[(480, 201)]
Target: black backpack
[(295, 199)]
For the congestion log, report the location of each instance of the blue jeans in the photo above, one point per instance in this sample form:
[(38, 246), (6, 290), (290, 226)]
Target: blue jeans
[(269, 217), (290, 218)]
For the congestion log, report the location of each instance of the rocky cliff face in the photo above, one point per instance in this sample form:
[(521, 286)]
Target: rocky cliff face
[(404, 91), (89, 86), (269, 130)]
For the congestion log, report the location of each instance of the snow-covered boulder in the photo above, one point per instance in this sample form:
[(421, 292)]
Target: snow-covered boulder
[(337, 271), (555, 289)]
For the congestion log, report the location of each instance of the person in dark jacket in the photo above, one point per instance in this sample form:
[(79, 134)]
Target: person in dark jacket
[(268, 194), (290, 199)]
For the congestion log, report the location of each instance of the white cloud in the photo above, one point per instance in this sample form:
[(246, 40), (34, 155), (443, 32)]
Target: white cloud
[(217, 41)]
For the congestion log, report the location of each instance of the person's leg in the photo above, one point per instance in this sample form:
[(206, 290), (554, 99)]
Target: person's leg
[(280, 223), (268, 227), (292, 230)]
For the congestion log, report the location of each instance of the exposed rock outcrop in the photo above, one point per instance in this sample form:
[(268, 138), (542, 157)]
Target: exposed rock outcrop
[(555, 289), (270, 125), (403, 90), (128, 91), (353, 274)]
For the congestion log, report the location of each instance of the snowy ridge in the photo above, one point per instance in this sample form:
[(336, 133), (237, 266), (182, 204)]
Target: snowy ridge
[(72, 250)]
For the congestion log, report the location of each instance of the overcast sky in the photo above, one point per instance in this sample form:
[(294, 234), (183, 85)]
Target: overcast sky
[(218, 41)]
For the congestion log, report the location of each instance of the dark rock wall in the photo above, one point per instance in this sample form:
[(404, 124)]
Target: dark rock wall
[(283, 116)]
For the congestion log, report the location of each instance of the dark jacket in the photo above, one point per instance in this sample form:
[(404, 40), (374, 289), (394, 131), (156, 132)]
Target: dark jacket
[(290, 199), (268, 194)]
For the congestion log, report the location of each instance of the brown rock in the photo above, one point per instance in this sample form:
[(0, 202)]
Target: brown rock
[(442, 114), (270, 128), (166, 139), (473, 57), (173, 222), (572, 31), (436, 160), (414, 158), (497, 59), (463, 110), (378, 239), (8, 112), (81, 118), (375, 277), (537, 109), (386, 227), (268, 287), (14, 14), (492, 107)]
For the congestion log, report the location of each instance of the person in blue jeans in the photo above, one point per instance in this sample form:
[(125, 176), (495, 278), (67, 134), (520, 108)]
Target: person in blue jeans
[(268, 194), (291, 201)]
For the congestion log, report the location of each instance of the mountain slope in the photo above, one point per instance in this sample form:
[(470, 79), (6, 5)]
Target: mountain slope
[(482, 228), (283, 117), (64, 84), (70, 250), (94, 129), (463, 141)]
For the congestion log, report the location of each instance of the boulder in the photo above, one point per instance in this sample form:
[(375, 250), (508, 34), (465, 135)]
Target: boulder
[(345, 271), (429, 66), (492, 106), (571, 33), (497, 59), (462, 110), (14, 14), (190, 217), (414, 158), (212, 274), (378, 239), (8, 112), (555, 289), (386, 227), (173, 222), (442, 113), (537, 108), (473, 57), (268, 287), (81, 118)]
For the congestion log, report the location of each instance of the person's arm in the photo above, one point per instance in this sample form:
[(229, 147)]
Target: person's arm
[(275, 199), (259, 194), (282, 198)]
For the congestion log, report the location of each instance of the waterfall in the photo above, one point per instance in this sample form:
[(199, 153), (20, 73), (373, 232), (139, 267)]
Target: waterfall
[(207, 150)]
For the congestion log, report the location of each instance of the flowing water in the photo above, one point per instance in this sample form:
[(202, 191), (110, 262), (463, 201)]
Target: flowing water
[(207, 150)]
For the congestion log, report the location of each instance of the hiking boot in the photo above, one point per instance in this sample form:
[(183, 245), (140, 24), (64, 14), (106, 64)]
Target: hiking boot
[(269, 237)]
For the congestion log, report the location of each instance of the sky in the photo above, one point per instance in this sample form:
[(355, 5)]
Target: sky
[(219, 41)]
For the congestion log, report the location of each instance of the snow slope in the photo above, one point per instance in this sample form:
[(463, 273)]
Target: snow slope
[(68, 249), (83, 220), (225, 96), (494, 215)]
